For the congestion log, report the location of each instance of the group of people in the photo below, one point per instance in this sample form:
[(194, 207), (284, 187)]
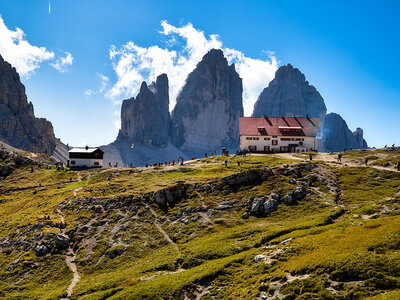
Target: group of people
[(166, 163)]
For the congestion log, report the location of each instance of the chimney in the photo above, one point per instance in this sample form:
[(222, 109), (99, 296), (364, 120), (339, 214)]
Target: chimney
[(298, 122), (268, 120), (308, 118)]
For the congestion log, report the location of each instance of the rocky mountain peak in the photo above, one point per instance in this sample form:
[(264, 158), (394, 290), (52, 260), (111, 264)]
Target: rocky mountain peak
[(289, 94), (206, 115), (18, 125), (337, 135), (145, 119)]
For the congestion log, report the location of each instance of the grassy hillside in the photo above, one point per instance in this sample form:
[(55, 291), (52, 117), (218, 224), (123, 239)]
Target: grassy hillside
[(194, 231)]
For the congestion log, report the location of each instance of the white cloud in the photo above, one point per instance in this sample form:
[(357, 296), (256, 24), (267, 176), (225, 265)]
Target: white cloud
[(61, 64), (185, 47), (16, 50), (104, 82), (26, 58)]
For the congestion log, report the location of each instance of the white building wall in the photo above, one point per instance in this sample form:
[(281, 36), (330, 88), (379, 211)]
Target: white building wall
[(308, 143), (85, 162)]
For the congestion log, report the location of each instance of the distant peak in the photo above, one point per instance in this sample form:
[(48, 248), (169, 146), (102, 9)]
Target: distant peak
[(143, 87), (213, 56)]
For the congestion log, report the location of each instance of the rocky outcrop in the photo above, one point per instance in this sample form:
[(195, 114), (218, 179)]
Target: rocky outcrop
[(18, 125), (206, 115), (337, 136), (289, 94), (10, 160), (145, 119), (263, 206), (170, 195)]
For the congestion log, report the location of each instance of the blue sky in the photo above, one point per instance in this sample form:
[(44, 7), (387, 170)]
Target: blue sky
[(347, 50)]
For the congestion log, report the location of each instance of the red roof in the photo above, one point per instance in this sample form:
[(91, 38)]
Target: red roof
[(282, 126)]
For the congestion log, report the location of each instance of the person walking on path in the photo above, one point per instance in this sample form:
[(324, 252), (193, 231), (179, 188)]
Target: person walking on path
[(366, 161), (226, 163), (398, 166), (310, 156), (339, 157)]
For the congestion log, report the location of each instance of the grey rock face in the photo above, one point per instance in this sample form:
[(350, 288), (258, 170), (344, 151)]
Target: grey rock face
[(169, 195), (206, 115), (61, 242), (337, 135), (18, 125), (145, 120), (258, 207), (289, 94)]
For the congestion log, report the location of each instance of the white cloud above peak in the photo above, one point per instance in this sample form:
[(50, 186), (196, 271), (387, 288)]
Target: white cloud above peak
[(184, 48), (25, 57), (61, 64)]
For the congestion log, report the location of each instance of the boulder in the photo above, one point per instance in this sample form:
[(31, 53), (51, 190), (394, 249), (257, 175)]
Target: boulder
[(41, 250), (259, 257), (258, 207), (270, 206), (243, 178), (298, 194), (170, 195), (62, 243)]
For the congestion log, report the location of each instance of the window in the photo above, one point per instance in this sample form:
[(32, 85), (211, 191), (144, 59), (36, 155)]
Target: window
[(248, 138), (96, 163), (72, 162), (274, 142), (252, 148), (266, 139), (284, 149), (266, 148), (256, 138)]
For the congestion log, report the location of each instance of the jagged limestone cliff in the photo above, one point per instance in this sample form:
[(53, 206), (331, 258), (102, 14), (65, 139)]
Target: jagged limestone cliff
[(337, 136), (145, 119), (18, 125), (289, 94), (206, 115)]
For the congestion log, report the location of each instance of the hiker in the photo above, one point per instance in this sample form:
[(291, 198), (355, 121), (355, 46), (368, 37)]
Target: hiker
[(109, 164), (398, 166), (226, 163), (366, 161), (238, 163), (351, 148), (339, 157), (205, 155), (310, 156), (147, 165)]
